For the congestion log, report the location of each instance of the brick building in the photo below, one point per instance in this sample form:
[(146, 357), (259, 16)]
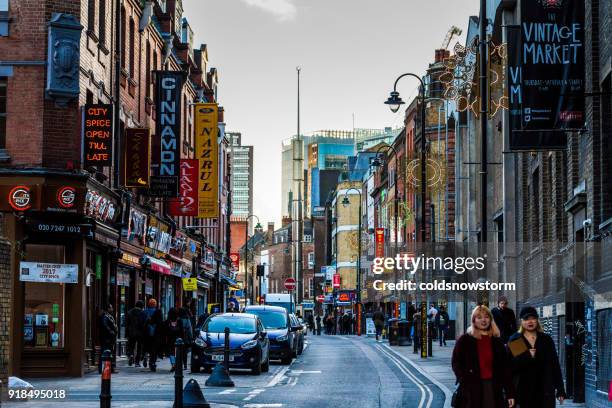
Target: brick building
[(109, 243)]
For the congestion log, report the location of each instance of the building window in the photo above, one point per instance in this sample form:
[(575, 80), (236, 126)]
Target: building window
[(43, 318), (311, 260), (148, 69), (102, 22), (91, 15), (3, 99), (4, 20), (132, 49), (123, 34), (604, 346)]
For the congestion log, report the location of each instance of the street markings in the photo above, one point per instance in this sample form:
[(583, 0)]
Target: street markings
[(426, 393), (230, 391), (253, 394), (263, 405), (275, 380)]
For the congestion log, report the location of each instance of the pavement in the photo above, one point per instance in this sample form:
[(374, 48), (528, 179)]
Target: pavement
[(333, 371)]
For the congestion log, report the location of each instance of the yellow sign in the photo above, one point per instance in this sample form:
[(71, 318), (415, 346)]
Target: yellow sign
[(206, 119), (190, 284)]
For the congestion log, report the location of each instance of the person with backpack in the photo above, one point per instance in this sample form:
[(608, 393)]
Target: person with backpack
[(188, 335), (173, 329), (442, 321), (108, 335), (153, 334)]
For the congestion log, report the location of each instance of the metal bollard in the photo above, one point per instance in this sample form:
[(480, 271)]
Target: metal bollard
[(226, 349), (105, 387), (178, 373)]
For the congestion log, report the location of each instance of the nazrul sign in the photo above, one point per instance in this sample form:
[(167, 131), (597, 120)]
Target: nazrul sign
[(207, 152)]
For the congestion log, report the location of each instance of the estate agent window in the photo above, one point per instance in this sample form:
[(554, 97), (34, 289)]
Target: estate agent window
[(43, 325)]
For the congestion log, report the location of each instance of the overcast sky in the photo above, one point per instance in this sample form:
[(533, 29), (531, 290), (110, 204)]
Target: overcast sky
[(350, 52)]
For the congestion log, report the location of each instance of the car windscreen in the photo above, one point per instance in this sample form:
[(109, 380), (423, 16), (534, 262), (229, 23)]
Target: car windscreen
[(271, 319), (238, 325)]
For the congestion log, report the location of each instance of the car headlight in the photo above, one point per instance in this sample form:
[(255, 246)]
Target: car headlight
[(200, 343), (284, 337), (249, 344)]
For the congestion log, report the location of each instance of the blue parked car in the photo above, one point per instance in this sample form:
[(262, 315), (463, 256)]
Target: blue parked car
[(248, 341), (282, 334)]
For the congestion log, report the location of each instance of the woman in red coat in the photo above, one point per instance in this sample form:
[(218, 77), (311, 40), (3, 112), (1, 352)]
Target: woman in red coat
[(481, 365)]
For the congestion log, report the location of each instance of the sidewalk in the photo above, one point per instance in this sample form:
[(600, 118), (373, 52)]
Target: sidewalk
[(438, 368)]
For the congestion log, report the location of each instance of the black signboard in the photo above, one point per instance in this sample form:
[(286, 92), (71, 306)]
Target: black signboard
[(59, 228), (97, 135), (168, 121), (163, 186), (546, 74)]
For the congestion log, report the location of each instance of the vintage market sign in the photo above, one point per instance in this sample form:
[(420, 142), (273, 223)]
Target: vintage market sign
[(48, 272)]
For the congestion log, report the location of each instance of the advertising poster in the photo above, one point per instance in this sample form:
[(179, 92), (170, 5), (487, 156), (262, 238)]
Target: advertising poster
[(48, 272)]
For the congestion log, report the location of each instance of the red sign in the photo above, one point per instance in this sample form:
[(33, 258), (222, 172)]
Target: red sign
[(137, 158), (97, 135), (380, 242), (290, 284), (20, 198), (321, 298), (336, 280), (235, 258), (66, 197), (187, 203), (344, 297)]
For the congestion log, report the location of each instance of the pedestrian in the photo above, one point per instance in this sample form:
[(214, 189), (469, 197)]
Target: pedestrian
[(535, 364), (188, 335), (154, 332), (173, 329), (135, 327), (311, 323), (231, 307), (481, 365), (442, 321), (107, 335), (318, 321), (346, 323), (411, 310), (431, 320), (504, 318), (201, 320), (379, 323), (417, 329)]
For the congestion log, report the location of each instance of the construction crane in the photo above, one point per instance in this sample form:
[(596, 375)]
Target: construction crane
[(454, 31)]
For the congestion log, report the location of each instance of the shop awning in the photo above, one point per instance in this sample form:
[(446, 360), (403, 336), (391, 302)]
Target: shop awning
[(158, 265), (228, 281)]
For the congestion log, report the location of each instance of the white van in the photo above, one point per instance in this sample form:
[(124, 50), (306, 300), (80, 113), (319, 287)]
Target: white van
[(280, 299)]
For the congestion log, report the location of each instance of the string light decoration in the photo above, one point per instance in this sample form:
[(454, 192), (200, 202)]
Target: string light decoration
[(460, 70)]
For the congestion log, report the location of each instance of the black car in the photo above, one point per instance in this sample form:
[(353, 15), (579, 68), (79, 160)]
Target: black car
[(299, 330), (249, 344), (280, 331)]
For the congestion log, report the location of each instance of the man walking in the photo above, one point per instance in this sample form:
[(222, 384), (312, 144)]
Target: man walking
[(505, 319), (379, 323), (135, 326), (108, 335), (442, 325)]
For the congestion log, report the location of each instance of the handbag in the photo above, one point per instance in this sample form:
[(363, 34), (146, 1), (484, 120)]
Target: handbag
[(457, 397)]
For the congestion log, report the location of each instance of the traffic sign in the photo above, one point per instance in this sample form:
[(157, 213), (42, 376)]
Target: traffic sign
[(321, 298), (290, 284)]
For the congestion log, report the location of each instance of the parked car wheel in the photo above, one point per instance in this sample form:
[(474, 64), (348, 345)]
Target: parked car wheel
[(266, 366), (256, 370), (286, 360)]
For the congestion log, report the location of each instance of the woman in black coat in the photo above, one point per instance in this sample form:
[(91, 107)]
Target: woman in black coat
[(481, 365), (535, 365)]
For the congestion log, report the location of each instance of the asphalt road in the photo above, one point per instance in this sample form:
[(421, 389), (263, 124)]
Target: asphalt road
[(333, 371)]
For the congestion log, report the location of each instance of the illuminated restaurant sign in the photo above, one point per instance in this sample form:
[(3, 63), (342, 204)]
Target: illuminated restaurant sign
[(97, 135)]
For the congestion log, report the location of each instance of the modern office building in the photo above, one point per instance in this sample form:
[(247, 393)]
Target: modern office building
[(241, 177)]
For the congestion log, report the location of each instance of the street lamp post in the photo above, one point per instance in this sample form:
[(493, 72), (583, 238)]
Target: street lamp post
[(376, 163), (394, 101), (246, 256), (346, 202)]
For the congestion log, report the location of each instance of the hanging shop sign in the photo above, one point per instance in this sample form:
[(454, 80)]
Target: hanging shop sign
[(187, 203), (136, 228), (163, 187), (97, 135), (345, 298), (129, 259), (206, 117), (48, 272), (158, 239), (380, 242), (546, 74), (235, 258), (336, 281), (137, 158), (168, 124), (100, 207)]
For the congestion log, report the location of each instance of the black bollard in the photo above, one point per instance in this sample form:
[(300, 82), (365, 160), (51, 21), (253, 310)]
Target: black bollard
[(178, 373), (430, 340), (105, 387), (220, 374)]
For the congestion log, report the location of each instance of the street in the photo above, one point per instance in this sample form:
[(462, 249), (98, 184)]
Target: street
[(332, 371)]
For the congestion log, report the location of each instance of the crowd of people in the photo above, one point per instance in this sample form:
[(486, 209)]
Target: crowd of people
[(149, 336)]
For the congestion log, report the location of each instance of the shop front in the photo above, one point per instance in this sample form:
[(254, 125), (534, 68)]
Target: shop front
[(49, 218)]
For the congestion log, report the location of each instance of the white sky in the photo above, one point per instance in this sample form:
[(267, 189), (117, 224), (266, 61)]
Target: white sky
[(350, 52)]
